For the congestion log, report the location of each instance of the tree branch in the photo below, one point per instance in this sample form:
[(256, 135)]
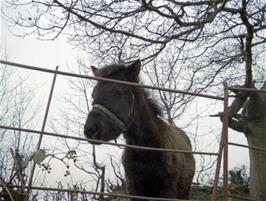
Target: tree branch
[(248, 45)]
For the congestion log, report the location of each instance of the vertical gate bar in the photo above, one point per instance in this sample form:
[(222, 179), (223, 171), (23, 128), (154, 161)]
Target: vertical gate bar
[(225, 165), (220, 154), (43, 128), (218, 166)]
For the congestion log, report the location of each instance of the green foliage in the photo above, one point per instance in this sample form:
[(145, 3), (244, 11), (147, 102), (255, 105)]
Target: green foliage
[(38, 156)]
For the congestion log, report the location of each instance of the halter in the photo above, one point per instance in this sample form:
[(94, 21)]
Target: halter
[(120, 124)]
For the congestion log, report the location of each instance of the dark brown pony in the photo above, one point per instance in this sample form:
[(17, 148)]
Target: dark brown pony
[(127, 109)]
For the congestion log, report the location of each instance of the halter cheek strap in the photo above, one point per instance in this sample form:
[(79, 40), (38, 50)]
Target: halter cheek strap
[(120, 124)]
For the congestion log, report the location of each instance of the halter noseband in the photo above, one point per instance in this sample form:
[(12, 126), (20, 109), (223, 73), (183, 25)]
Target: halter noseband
[(120, 124)]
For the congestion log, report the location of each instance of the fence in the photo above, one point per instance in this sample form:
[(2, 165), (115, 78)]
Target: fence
[(222, 151)]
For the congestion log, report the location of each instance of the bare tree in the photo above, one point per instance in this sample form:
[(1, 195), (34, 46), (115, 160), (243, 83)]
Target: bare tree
[(15, 110), (195, 45)]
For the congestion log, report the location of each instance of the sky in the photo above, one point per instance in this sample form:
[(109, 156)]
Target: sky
[(49, 54)]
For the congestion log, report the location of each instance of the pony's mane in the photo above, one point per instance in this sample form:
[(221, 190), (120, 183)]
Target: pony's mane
[(153, 104)]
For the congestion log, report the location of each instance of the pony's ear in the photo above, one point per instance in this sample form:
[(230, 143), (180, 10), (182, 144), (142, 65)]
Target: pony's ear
[(95, 71), (134, 68)]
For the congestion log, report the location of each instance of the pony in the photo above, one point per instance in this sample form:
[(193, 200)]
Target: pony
[(128, 110)]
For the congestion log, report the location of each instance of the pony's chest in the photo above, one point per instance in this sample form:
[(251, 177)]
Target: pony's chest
[(142, 161)]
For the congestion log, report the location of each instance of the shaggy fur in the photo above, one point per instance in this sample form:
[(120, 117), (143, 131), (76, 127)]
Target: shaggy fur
[(151, 173)]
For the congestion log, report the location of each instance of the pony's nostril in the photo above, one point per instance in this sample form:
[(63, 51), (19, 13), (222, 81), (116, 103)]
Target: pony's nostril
[(94, 129), (91, 131)]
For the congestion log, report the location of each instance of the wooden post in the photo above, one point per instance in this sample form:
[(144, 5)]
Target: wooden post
[(225, 144), (221, 146)]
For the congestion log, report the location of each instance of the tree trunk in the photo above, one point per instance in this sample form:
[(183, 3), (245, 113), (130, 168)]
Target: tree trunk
[(256, 136), (258, 166)]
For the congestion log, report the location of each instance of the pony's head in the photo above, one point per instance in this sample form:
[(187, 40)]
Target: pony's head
[(113, 103)]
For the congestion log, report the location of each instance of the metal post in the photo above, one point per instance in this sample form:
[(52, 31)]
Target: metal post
[(43, 128), (225, 144)]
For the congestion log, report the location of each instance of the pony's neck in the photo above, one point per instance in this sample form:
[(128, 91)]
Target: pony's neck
[(143, 130)]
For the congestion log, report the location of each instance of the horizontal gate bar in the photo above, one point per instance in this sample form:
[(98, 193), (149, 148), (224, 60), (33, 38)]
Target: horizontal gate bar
[(107, 143), (247, 146), (96, 193), (109, 80)]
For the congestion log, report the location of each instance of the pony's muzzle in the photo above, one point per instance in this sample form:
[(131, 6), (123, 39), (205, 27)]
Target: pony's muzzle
[(92, 133)]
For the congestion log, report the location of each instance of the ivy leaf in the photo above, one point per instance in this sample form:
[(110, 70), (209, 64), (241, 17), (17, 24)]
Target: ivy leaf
[(38, 156)]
